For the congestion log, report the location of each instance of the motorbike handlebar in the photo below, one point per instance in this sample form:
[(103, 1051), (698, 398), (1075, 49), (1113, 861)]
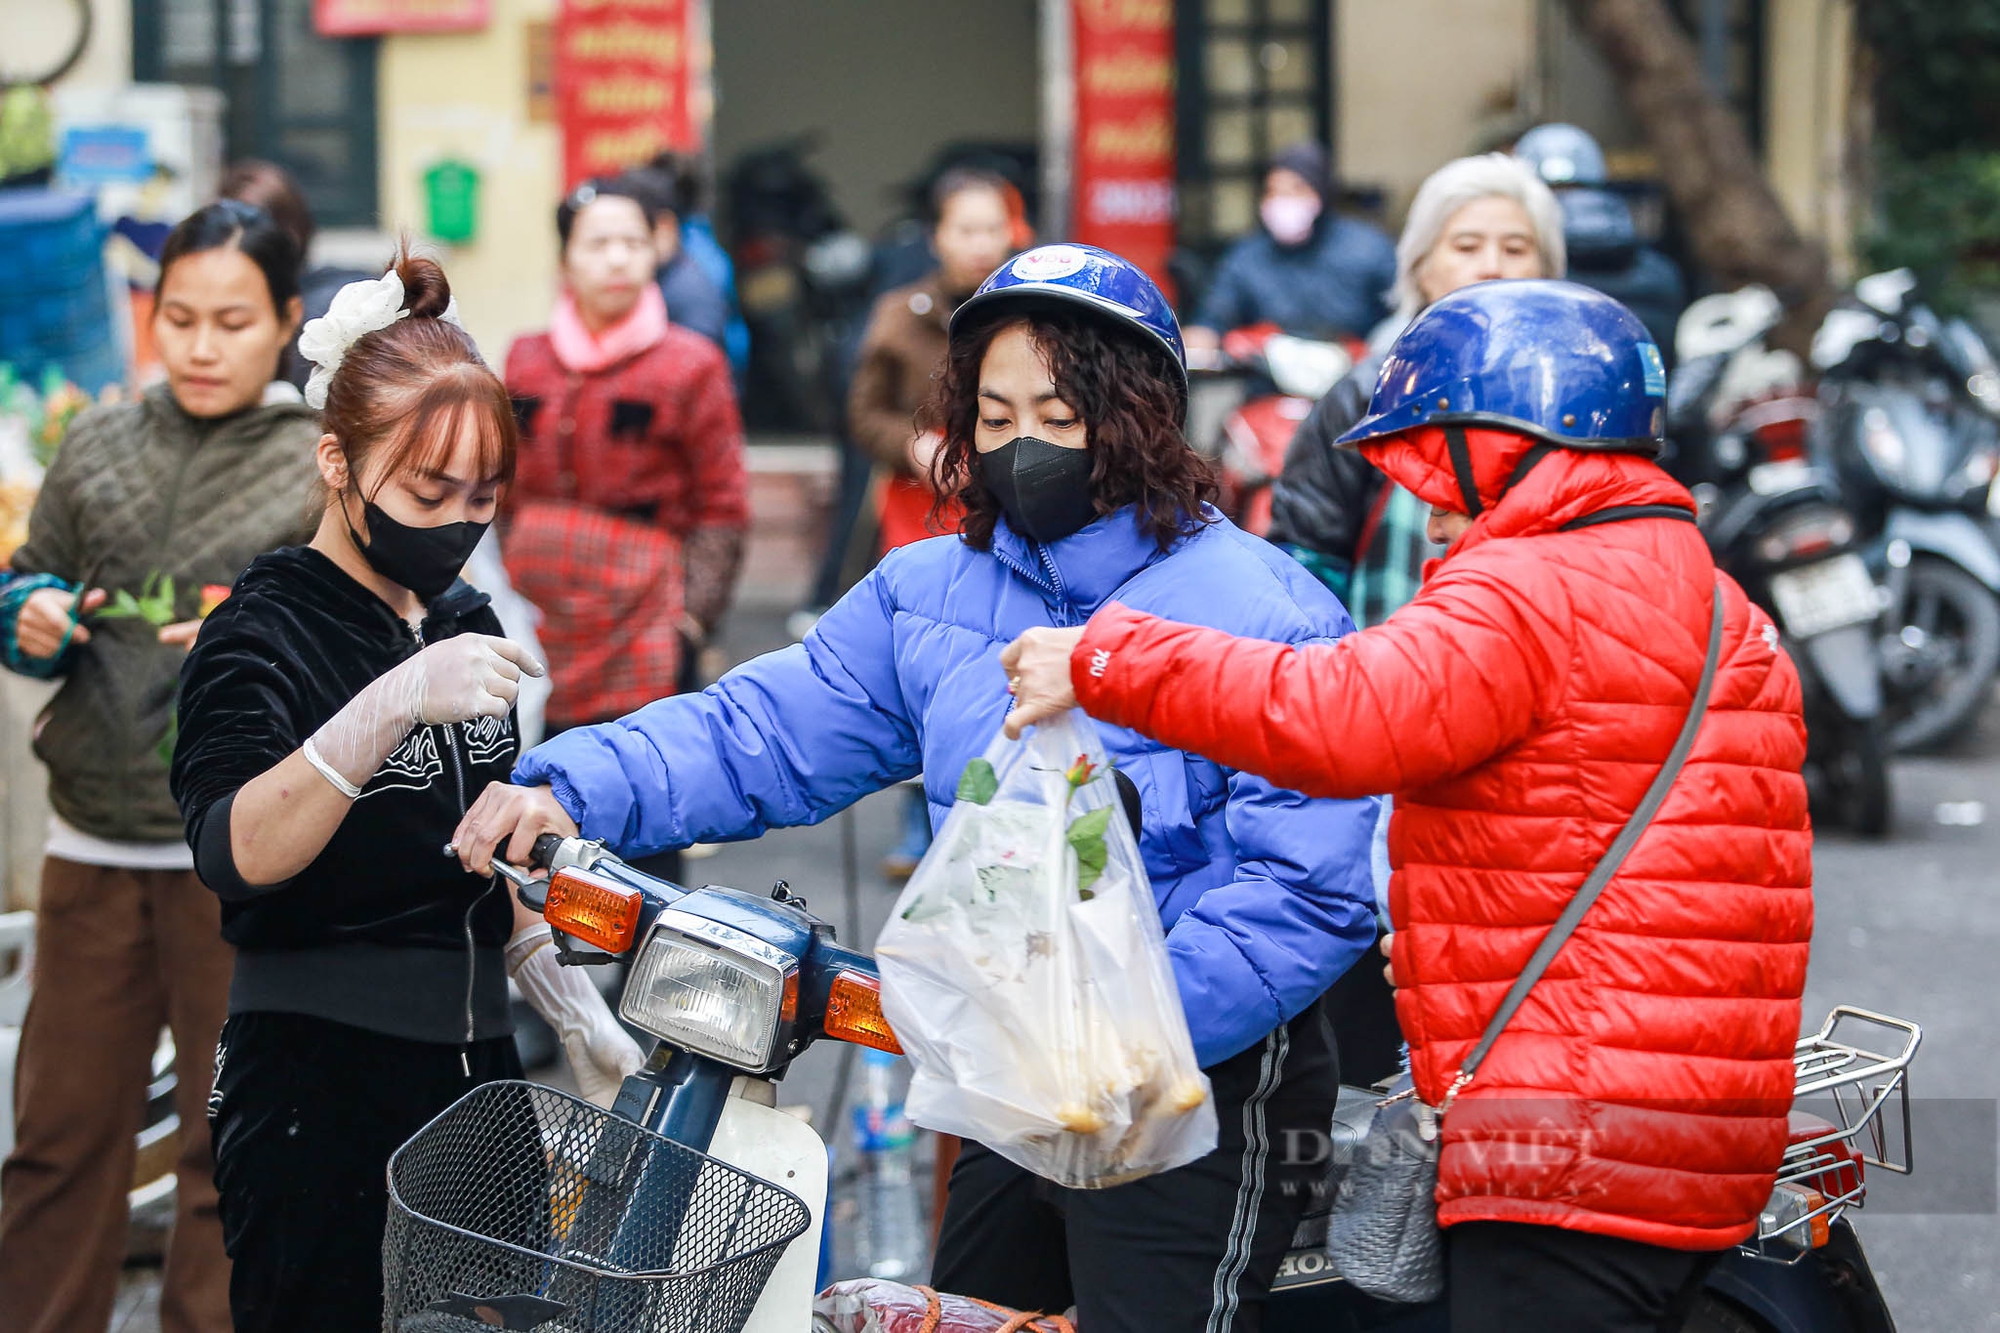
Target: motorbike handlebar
[(532, 889)]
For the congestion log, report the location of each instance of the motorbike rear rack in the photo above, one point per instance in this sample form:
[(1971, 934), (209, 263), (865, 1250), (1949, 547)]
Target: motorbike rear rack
[(1857, 1083)]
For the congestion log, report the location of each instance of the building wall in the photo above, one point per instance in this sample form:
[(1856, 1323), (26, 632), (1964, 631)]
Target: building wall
[(1809, 53), (465, 96), (883, 82), (1417, 78), (107, 63)]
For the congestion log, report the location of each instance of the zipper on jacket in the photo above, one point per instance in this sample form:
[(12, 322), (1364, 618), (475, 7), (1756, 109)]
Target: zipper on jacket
[(471, 947), (1049, 581), (1063, 609), (164, 546)]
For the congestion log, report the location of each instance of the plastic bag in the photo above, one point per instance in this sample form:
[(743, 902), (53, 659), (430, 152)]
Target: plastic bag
[(1026, 975)]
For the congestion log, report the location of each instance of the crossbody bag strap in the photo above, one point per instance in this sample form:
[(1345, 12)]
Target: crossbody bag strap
[(1621, 846)]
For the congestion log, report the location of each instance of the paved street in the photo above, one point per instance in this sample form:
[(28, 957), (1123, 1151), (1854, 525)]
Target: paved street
[(1910, 926)]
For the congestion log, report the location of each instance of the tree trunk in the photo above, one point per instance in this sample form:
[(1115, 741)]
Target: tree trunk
[(1739, 228)]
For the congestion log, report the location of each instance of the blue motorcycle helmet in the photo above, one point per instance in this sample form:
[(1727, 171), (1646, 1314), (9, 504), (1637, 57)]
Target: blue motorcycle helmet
[(1078, 277), (1562, 155), (1558, 361)]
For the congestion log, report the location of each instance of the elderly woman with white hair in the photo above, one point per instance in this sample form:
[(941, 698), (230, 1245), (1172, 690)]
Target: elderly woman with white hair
[(1474, 219)]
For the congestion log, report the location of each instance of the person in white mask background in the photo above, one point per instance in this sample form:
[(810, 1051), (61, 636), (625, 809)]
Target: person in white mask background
[(1305, 268)]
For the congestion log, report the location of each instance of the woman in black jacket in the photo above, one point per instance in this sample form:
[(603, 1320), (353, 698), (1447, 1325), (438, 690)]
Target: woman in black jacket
[(339, 713)]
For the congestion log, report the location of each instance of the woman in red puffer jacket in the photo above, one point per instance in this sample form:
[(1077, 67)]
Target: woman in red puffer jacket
[(1628, 1124)]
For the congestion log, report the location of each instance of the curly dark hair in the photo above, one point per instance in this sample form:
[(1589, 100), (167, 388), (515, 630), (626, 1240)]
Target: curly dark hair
[(1128, 397)]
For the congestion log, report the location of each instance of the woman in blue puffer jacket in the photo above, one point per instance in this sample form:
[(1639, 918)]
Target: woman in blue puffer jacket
[(1061, 406)]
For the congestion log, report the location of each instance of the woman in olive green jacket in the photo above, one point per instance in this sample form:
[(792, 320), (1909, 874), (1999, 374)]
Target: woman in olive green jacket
[(186, 484)]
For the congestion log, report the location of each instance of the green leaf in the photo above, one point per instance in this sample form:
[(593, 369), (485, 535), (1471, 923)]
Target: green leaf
[(122, 605), (1086, 838), (156, 604), (978, 783)]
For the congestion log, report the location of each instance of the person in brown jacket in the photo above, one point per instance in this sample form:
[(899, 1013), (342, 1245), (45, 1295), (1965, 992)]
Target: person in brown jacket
[(976, 223), (187, 484)]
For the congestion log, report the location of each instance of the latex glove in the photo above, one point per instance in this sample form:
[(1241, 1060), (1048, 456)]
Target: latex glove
[(469, 676), (599, 1051)]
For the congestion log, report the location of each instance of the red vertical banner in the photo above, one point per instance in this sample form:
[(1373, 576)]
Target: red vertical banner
[(1124, 131), (626, 79)]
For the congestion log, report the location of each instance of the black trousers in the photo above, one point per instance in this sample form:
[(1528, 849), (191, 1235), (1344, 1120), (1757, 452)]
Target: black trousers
[(1187, 1251), (305, 1115), (1512, 1277)]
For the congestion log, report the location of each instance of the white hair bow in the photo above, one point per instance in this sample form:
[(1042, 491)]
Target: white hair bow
[(358, 308)]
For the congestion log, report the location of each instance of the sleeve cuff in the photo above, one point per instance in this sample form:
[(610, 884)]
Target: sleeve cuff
[(14, 594), (215, 861)]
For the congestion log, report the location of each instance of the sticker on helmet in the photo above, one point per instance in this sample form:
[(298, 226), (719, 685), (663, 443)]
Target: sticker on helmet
[(1655, 370), (1049, 262)]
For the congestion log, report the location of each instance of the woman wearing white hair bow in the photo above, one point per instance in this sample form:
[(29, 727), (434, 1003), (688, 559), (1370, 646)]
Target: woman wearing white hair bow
[(338, 714)]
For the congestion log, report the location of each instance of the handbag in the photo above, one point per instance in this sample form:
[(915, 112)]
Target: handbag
[(1382, 1234)]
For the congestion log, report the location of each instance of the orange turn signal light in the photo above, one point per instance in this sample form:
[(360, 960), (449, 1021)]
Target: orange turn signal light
[(594, 908), (854, 1013), (1821, 1227)]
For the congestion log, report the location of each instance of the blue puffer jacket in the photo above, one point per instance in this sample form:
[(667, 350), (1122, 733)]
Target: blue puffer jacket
[(1266, 896)]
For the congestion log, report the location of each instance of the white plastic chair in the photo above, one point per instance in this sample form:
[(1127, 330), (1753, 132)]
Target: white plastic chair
[(17, 954)]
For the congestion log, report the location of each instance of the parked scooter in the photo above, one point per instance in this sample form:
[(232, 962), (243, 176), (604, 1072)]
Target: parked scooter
[(1274, 379), (1739, 415), (695, 1205), (1912, 427)]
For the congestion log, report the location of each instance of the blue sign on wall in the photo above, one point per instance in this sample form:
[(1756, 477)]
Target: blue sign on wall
[(101, 154)]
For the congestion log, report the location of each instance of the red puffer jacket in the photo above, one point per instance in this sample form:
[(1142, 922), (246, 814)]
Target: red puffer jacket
[(1518, 709)]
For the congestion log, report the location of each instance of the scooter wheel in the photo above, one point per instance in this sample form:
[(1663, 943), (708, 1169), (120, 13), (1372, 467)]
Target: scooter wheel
[(1713, 1314), (1945, 602)]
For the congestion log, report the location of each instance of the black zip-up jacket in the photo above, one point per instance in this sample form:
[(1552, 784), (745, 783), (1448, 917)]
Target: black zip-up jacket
[(381, 931), (1320, 502)]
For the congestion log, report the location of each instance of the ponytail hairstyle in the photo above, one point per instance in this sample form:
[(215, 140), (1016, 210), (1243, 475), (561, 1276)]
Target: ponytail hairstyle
[(407, 382)]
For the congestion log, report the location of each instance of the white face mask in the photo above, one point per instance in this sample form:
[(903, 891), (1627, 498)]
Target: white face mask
[(1289, 217)]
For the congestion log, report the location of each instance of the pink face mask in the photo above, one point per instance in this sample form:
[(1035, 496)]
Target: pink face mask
[(1289, 217)]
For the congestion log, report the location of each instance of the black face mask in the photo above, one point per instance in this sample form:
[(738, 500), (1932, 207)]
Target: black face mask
[(1043, 488), (424, 560)]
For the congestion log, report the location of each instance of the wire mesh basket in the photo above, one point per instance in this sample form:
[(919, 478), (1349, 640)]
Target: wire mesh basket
[(522, 1208)]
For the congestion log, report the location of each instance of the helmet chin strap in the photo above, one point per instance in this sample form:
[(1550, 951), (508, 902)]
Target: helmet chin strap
[(1461, 469)]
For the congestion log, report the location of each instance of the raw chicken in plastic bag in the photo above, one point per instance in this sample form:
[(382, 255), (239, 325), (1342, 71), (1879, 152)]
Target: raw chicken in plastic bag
[(871, 1305), (1026, 975)]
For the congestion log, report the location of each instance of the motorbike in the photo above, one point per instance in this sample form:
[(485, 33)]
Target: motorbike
[(1911, 424), (1249, 399), (1740, 415), (802, 277), (694, 1204)]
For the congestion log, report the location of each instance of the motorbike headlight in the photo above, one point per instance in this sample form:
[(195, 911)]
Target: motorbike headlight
[(713, 990)]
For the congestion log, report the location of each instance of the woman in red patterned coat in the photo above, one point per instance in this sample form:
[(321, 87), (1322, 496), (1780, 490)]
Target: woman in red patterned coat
[(626, 520)]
